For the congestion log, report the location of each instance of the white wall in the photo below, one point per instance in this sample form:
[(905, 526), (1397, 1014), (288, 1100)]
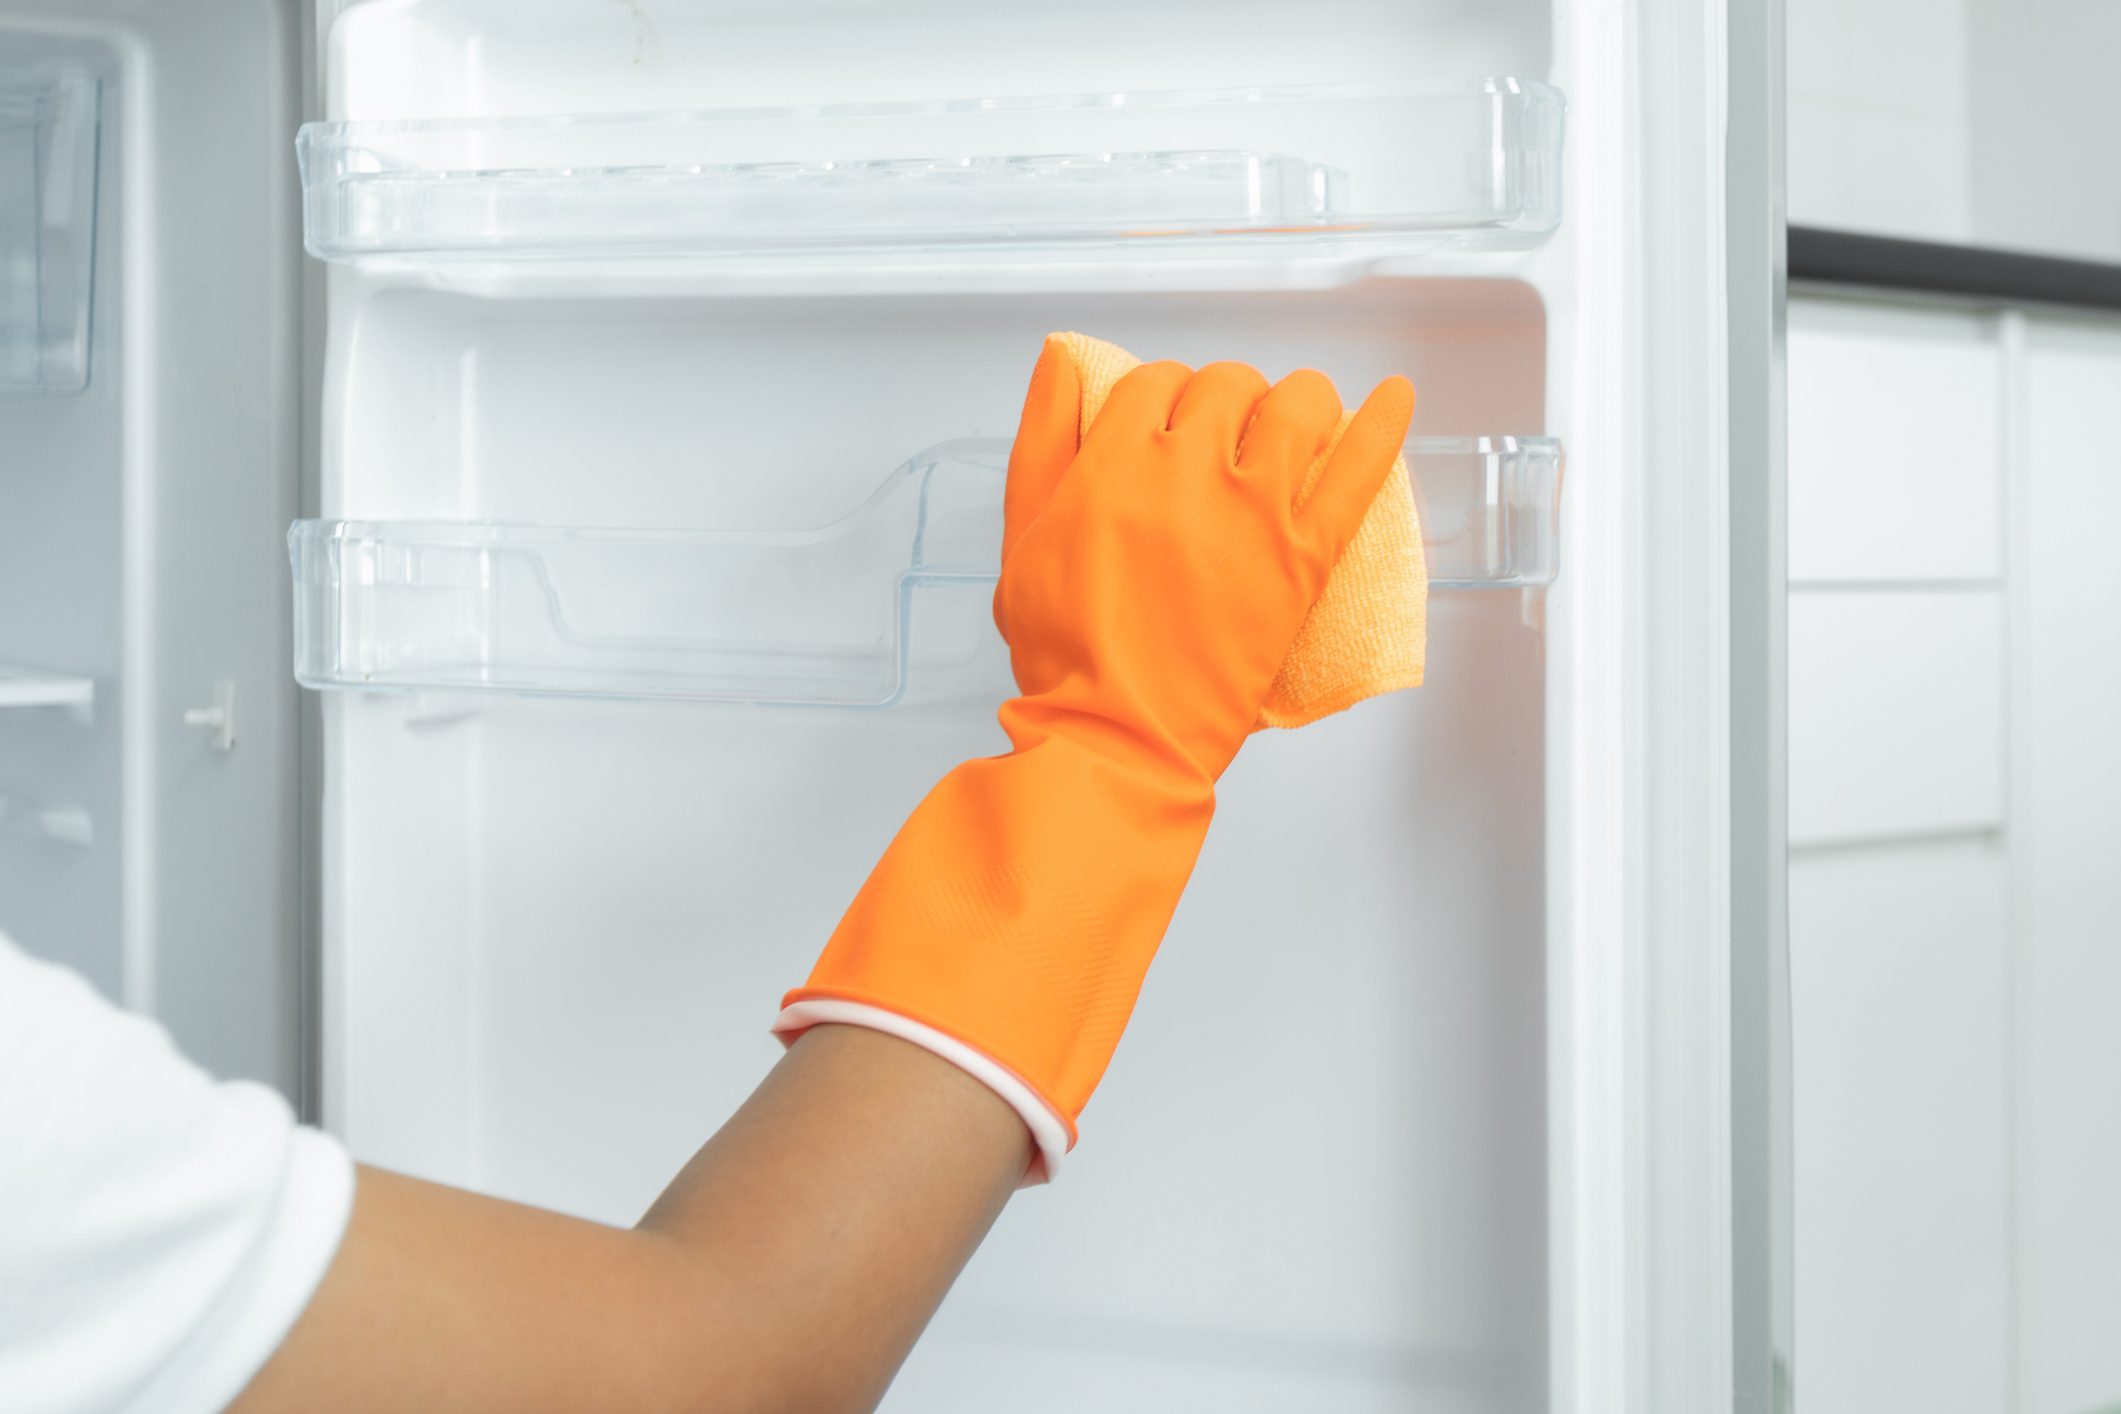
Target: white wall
[(2044, 126), (1955, 901), (1982, 121), (1878, 111)]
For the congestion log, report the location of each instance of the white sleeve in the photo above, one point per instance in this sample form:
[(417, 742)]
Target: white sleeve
[(159, 1232)]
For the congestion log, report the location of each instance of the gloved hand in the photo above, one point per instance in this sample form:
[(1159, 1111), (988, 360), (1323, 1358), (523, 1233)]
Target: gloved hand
[(1152, 581)]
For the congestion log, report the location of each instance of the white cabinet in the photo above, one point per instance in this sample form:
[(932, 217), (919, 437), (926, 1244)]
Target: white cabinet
[(1955, 817), (1896, 714), (1900, 983), (1895, 444), (2067, 855), (1899, 905)]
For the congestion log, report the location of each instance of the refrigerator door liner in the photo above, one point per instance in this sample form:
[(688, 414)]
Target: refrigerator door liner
[(47, 222), (58, 824), (1391, 168), (888, 605), (26, 687)]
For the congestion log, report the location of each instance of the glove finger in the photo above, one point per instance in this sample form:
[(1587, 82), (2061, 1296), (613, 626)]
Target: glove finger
[(1291, 428), (1217, 406), (1046, 440), (1334, 510), (1139, 406)]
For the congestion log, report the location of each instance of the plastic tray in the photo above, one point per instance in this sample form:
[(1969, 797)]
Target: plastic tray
[(1397, 167), (47, 225), (890, 603)]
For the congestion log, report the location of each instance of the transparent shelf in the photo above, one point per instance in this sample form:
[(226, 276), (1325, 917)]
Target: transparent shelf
[(1399, 168), (25, 687), (889, 604), (47, 224)]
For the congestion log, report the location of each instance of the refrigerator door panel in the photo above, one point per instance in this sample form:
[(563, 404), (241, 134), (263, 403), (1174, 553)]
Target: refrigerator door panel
[(554, 930), (149, 415), (613, 892), (595, 897)]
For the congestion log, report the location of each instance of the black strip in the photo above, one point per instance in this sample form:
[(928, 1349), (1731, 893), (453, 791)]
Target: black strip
[(1938, 268)]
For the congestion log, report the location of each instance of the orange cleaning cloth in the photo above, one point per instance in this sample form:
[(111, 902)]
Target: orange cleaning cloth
[(1369, 631)]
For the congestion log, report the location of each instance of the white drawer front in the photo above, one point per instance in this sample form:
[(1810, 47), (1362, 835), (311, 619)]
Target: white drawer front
[(1895, 444), (1899, 980), (1896, 714)]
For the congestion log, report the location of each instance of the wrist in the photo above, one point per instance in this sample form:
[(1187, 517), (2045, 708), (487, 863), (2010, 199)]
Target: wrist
[(1052, 1134)]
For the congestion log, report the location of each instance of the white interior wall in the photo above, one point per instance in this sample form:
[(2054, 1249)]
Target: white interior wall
[(553, 925), (1898, 887), (462, 59)]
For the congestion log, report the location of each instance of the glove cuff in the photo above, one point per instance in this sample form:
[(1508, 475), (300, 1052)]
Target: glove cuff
[(1050, 1130)]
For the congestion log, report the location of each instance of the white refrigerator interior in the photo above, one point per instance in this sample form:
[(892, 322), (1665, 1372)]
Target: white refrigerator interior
[(558, 919)]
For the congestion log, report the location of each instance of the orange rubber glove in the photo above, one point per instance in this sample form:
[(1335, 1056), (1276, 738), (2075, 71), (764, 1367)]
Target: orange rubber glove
[(1152, 581)]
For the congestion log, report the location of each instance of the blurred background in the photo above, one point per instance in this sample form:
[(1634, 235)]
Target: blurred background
[(1954, 771)]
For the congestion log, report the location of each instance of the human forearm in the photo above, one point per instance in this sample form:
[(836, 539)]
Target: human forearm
[(789, 1266), (841, 1202)]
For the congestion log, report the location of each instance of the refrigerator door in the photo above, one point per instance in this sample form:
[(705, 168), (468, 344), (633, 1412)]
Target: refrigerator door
[(1379, 1133), (149, 415)]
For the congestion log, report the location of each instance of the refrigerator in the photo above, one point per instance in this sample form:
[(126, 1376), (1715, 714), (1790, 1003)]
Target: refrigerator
[(499, 503)]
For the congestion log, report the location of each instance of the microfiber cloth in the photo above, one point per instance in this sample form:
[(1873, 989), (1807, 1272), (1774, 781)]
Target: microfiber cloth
[(1369, 631)]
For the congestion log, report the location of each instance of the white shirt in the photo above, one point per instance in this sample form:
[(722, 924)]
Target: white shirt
[(159, 1232)]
